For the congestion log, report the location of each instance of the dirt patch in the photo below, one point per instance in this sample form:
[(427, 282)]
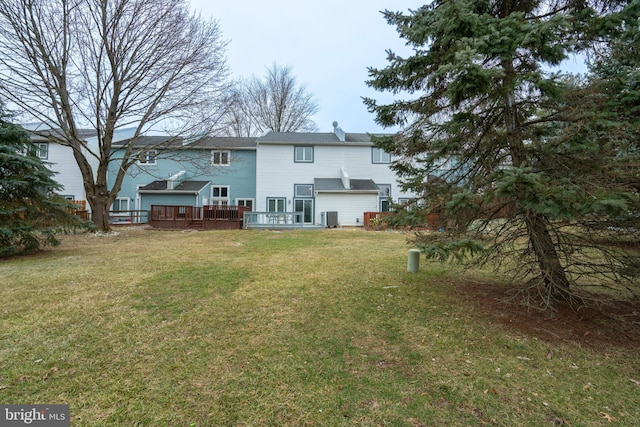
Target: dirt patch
[(614, 324)]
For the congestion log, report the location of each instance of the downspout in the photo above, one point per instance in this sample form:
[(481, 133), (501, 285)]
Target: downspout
[(138, 204)]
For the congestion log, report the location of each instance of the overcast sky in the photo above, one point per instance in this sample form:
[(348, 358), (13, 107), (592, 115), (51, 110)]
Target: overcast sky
[(329, 44)]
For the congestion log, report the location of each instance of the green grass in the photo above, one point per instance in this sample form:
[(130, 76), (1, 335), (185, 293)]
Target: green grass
[(151, 328)]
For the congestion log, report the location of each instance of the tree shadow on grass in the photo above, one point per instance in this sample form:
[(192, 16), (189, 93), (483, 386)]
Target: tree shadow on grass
[(615, 323)]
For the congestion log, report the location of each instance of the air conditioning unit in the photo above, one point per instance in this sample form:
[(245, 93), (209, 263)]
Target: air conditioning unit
[(332, 219)]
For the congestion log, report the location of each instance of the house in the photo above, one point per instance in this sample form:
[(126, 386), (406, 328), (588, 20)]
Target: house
[(59, 158), (170, 171), (285, 178), (330, 178)]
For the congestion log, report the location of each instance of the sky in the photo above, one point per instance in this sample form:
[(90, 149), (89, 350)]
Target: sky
[(329, 44)]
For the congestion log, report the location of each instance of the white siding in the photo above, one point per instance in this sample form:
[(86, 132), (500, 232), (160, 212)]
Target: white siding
[(350, 207), (68, 174), (276, 174)]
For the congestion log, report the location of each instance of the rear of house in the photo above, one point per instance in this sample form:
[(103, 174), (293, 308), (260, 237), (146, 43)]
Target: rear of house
[(327, 177), (208, 172)]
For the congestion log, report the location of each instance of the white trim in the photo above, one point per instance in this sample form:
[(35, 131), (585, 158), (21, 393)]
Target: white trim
[(221, 153), (146, 154)]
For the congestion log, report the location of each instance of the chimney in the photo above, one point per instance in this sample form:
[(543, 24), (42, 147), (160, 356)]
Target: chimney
[(344, 176), (171, 182), (339, 132)]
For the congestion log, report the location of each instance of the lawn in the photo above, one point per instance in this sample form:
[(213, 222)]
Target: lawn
[(300, 328)]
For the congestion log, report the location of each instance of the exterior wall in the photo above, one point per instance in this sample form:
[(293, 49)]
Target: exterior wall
[(60, 159), (239, 176), (277, 173), (350, 207)]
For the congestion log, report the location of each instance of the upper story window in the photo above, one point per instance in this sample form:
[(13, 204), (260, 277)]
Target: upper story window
[(148, 157), (303, 154), (385, 190), (41, 150), (37, 149), (378, 155), (220, 158)]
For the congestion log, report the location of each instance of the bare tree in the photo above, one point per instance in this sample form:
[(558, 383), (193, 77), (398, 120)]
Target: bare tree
[(106, 65), (275, 103), (237, 119)]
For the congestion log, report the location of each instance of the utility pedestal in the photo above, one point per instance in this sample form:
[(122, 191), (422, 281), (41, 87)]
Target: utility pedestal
[(413, 263)]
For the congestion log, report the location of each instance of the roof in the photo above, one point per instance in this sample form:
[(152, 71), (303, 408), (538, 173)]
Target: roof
[(335, 185), (183, 187), (228, 142), (315, 138), (47, 134), (210, 142)]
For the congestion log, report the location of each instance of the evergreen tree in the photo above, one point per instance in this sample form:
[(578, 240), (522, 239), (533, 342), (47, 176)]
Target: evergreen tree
[(519, 138), (30, 213)]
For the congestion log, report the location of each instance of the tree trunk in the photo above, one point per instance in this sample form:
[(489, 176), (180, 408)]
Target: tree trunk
[(100, 217), (100, 204), (544, 249), (553, 273)]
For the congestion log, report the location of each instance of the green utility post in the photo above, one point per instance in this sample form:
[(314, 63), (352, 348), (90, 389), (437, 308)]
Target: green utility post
[(413, 263)]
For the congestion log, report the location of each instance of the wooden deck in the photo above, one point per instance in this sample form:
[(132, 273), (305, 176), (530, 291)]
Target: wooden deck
[(197, 218)]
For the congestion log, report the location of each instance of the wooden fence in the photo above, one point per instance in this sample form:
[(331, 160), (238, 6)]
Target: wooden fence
[(80, 210), (436, 221), (377, 220)]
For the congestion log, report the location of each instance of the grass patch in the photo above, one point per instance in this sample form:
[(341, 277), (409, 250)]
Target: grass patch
[(282, 328)]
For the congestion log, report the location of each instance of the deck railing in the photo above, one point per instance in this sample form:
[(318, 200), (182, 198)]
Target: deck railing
[(128, 217), (273, 220), (205, 217)]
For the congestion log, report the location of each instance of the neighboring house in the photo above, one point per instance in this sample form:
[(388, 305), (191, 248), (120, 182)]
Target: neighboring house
[(210, 171), (326, 176), (59, 158)]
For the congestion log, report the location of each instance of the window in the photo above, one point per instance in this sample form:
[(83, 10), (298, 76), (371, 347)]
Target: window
[(303, 190), (120, 204), (276, 204), (41, 150), (247, 203), (220, 158), (385, 190), (378, 155), (303, 154), (36, 149), (220, 195), (148, 157), (385, 196)]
